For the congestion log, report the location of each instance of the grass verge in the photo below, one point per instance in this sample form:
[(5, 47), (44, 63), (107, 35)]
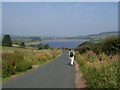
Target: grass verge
[(16, 60), (99, 74)]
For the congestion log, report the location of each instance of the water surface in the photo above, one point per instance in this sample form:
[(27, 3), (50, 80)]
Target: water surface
[(66, 43)]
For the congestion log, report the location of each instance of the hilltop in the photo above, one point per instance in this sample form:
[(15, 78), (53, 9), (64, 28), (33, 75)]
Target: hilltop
[(92, 36)]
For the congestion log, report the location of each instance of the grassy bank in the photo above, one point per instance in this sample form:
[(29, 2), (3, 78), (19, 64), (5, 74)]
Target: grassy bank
[(99, 74), (16, 60), (99, 63)]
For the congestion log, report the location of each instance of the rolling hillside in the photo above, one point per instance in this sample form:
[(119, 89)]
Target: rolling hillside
[(101, 35)]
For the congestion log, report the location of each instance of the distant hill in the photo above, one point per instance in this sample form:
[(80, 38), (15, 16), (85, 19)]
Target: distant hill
[(101, 35), (19, 38), (29, 36)]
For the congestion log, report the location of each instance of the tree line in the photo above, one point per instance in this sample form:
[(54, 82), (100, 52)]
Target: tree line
[(6, 41), (110, 46)]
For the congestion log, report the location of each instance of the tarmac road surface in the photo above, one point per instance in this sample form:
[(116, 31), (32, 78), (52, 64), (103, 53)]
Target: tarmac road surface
[(56, 74)]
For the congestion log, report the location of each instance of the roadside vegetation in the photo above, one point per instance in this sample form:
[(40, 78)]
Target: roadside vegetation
[(41, 46), (99, 63), (16, 60), (20, 58)]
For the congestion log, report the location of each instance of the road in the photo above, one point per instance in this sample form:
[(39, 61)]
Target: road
[(56, 74)]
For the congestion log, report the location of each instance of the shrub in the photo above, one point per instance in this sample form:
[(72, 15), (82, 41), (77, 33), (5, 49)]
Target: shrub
[(22, 45), (99, 70), (9, 61), (109, 46), (23, 66), (46, 46), (99, 74), (112, 45), (97, 48), (41, 46), (84, 49)]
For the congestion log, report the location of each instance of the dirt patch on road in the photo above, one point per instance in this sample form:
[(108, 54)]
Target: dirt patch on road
[(79, 81)]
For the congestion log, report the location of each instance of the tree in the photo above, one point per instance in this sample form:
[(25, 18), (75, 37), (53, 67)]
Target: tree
[(112, 45), (40, 46), (46, 46), (22, 45), (7, 41)]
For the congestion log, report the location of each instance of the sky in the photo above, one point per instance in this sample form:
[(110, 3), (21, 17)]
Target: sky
[(0, 17), (59, 18), (59, 0)]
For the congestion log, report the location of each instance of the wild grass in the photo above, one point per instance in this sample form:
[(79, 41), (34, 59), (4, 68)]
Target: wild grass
[(98, 73), (18, 60)]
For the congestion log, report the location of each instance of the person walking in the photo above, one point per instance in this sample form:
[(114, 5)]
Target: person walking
[(71, 56)]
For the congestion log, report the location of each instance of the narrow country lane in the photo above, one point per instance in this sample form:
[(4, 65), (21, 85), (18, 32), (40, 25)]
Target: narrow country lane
[(56, 74)]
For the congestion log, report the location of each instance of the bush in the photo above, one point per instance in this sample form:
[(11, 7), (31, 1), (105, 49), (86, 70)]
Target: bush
[(9, 61), (112, 46), (99, 74), (41, 46), (46, 46), (22, 44), (99, 70), (84, 49), (7, 70), (97, 48), (23, 66)]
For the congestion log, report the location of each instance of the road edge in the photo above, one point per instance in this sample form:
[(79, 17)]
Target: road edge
[(30, 70), (79, 81)]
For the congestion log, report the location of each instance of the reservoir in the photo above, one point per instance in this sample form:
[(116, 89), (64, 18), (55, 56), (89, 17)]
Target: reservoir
[(65, 43)]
